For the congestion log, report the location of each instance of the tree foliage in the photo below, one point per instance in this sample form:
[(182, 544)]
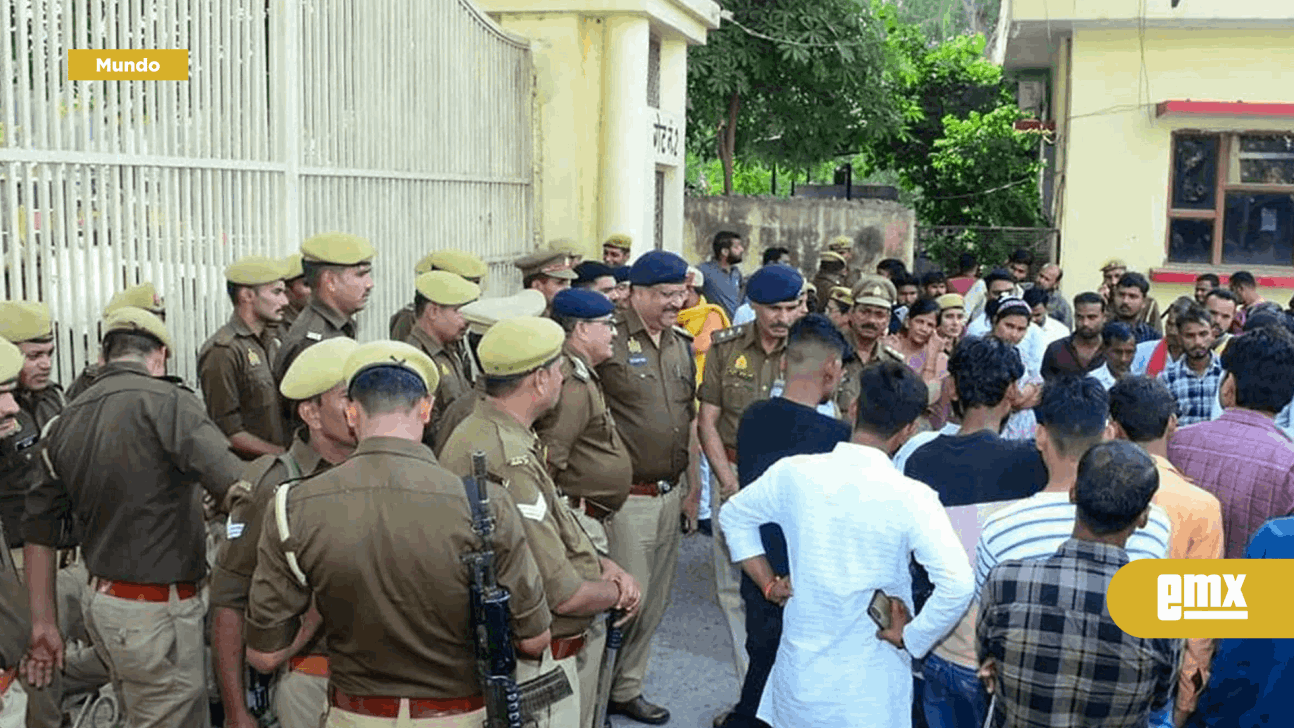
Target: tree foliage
[(808, 82), (985, 171)]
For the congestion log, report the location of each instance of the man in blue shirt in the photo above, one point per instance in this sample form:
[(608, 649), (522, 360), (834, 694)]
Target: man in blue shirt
[(723, 281), (769, 431)]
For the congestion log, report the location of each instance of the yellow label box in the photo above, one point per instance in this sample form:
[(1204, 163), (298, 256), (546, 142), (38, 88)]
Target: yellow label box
[(158, 64), (1214, 598)]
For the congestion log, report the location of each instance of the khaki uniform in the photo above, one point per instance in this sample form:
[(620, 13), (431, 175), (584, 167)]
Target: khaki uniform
[(237, 384), (824, 282), (565, 554), (591, 468), (83, 381), (316, 323), (738, 373), (124, 457), (300, 699), (848, 390), (20, 465), (402, 323), (454, 415), (376, 543), (453, 383), (290, 314), (650, 390)]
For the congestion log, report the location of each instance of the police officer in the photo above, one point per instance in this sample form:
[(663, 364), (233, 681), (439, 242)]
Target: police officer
[(622, 287), (123, 459), (375, 544), (547, 271), (521, 359), (142, 296), (586, 457), (832, 272), (438, 330), (234, 364), (315, 384), (650, 382), (596, 276), (744, 365), (339, 270), (294, 282), (458, 262), (615, 251), (839, 301), (869, 321), (843, 246), (15, 618)]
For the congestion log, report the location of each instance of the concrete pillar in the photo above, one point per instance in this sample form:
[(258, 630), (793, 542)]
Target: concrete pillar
[(673, 99), (627, 182)]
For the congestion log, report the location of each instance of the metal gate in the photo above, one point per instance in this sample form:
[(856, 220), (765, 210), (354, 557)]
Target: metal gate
[(408, 122)]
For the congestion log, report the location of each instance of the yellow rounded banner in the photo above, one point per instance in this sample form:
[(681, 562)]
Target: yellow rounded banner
[(1213, 598)]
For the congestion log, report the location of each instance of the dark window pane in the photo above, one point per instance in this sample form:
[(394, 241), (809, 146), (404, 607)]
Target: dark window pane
[(1191, 241), (1267, 159), (1195, 167), (1258, 229)]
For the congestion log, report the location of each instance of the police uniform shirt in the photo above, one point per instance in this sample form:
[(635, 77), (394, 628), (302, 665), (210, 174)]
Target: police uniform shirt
[(401, 323), (15, 617), (651, 392), (824, 282), (377, 542), (290, 314), (850, 385), (453, 416), (453, 384), (83, 381), (584, 447), (239, 388), (124, 456), (738, 372), (316, 323), (20, 465), (231, 578), (514, 457)]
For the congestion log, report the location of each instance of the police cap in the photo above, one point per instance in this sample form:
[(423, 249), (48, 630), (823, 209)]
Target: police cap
[(775, 283), (142, 296), (591, 270), (840, 244), (483, 313), (841, 294), (255, 270), (447, 289), (25, 321), (873, 290), (551, 263), (619, 240), (455, 261), (337, 249), (292, 267), (950, 300), (318, 369), (582, 303), (11, 361), (622, 273), (390, 354), (658, 266), (138, 321), (519, 345)]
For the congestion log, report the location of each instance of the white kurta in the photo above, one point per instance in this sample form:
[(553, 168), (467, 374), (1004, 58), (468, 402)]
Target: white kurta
[(851, 522)]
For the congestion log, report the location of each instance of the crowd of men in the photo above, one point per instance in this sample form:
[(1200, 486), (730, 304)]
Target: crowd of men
[(981, 450)]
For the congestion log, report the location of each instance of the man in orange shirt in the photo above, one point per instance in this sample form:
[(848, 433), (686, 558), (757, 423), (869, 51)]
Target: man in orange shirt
[(1143, 411)]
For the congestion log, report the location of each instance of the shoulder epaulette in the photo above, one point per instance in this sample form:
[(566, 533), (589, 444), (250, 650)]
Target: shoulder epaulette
[(728, 334), (684, 333), (224, 336), (578, 368), (892, 352)]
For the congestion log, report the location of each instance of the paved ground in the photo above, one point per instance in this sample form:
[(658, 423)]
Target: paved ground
[(691, 670)]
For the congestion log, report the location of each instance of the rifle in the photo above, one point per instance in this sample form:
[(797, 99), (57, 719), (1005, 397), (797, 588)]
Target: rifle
[(615, 639), (496, 658)]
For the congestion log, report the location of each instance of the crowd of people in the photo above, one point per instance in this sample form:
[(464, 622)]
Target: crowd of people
[(917, 490)]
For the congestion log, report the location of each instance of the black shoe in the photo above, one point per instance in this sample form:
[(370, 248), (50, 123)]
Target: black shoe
[(705, 526), (640, 710), (721, 719)]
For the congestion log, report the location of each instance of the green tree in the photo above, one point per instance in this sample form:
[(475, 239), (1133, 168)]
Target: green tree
[(789, 83), (985, 171)]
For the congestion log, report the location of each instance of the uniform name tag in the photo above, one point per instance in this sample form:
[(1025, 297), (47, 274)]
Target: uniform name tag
[(234, 529), (638, 360), (314, 336)]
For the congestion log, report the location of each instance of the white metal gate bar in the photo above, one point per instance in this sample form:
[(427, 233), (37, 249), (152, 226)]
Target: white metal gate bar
[(406, 121)]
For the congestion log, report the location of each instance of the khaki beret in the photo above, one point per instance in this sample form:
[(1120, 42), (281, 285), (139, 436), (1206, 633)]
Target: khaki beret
[(447, 289), (619, 240), (842, 294), (391, 353), (139, 321), (11, 361), (142, 296), (483, 313), (459, 262), (25, 321), (318, 369), (698, 278), (519, 345), (292, 268), (567, 247), (809, 288), (255, 270), (1113, 263), (840, 244), (950, 300), (551, 263), (337, 249), (829, 255), (872, 290)]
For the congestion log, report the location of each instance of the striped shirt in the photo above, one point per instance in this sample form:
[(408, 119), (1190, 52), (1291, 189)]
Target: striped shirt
[(1036, 526)]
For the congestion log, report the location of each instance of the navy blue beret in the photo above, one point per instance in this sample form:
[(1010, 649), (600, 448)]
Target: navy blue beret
[(658, 266), (582, 303), (591, 270), (775, 283), (622, 274)]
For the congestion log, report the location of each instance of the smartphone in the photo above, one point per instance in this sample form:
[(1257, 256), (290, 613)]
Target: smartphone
[(879, 609)]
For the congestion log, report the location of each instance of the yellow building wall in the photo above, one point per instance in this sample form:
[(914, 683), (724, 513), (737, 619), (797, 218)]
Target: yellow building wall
[(1199, 11), (568, 53), (1116, 170)]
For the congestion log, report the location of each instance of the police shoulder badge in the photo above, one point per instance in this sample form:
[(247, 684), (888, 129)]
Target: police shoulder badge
[(635, 347), (253, 358), (740, 364)]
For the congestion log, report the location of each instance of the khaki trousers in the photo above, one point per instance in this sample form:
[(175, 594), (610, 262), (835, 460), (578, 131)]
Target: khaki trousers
[(588, 663), (156, 656), (727, 585), (644, 537), (564, 713), (338, 718), (300, 700), (84, 670)]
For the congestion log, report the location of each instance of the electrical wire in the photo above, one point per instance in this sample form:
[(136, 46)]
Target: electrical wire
[(727, 16), (985, 192)]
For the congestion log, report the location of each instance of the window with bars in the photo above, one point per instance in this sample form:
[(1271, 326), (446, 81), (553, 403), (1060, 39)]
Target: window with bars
[(653, 73), (660, 210), (1231, 200)]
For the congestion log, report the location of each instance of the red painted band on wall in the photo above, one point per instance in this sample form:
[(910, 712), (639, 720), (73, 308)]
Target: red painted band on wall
[(1180, 276), (1223, 108)]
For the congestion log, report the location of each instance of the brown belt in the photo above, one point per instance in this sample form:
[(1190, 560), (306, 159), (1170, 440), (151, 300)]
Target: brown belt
[(564, 647), (591, 509), (145, 592), (652, 489), (6, 678), (316, 665), (378, 707), (731, 452)]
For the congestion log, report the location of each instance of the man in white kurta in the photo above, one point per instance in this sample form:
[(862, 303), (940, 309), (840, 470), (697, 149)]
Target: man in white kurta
[(851, 522)]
